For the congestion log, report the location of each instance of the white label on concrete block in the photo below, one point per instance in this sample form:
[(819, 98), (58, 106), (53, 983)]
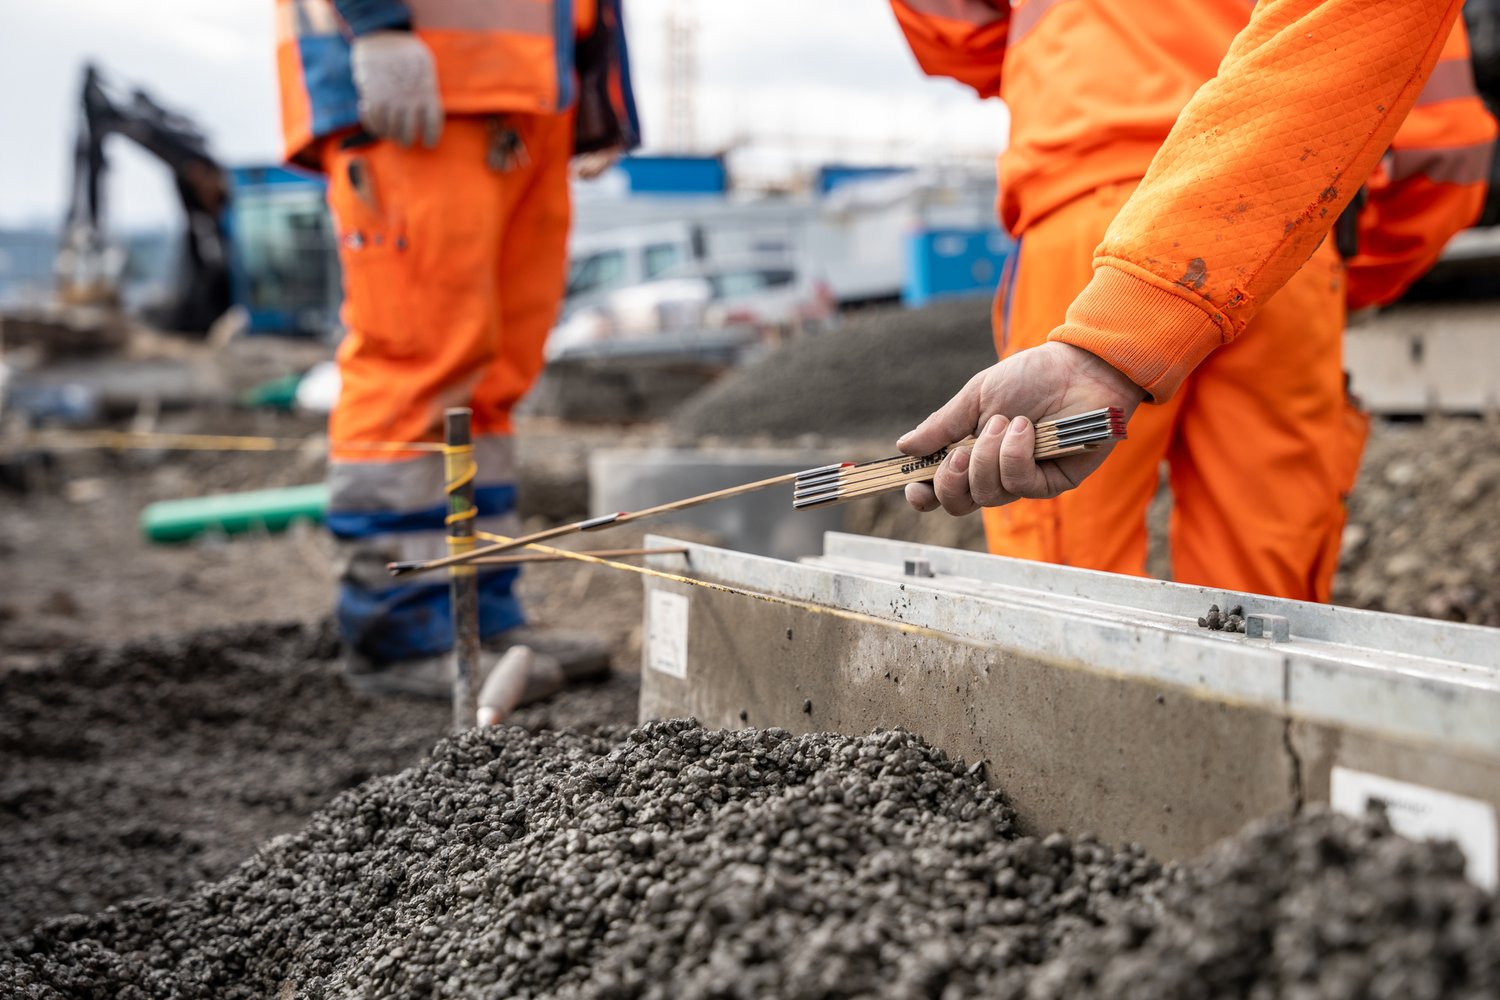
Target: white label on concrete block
[(1422, 813), (667, 633)]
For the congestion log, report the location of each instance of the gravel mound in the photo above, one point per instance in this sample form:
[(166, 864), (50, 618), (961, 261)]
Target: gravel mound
[(1320, 906), (1421, 538), (144, 769), (671, 861), (876, 376)]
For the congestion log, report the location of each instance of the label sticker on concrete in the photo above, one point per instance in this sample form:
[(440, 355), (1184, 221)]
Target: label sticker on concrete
[(1420, 813), (667, 635)]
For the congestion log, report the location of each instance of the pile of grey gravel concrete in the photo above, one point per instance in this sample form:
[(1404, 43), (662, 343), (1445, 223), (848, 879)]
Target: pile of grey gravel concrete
[(1421, 538), (143, 769), (671, 861)]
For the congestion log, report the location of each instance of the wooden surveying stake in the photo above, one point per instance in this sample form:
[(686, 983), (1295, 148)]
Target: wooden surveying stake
[(459, 470)]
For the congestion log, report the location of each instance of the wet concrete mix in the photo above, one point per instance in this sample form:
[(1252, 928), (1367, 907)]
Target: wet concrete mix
[(671, 861), (145, 768)]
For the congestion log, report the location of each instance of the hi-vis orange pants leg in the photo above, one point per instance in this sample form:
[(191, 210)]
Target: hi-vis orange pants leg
[(1261, 443), (453, 275)]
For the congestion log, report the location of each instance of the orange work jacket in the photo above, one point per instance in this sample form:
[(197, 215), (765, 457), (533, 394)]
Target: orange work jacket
[(490, 56), (1250, 127)]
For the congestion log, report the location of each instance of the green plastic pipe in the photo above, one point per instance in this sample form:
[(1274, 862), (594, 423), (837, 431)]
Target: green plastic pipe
[(234, 513)]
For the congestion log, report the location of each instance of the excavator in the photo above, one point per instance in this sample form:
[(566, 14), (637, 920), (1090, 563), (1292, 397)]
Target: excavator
[(89, 266)]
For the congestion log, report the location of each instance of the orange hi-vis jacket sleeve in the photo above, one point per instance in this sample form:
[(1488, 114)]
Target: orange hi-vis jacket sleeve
[(1251, 178), (1429, 186)]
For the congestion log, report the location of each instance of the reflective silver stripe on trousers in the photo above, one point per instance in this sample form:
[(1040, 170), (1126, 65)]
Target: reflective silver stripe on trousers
[(413, 483), (409, 485)]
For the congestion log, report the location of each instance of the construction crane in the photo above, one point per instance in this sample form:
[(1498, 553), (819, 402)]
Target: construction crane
[(682, 78), (89, 266)]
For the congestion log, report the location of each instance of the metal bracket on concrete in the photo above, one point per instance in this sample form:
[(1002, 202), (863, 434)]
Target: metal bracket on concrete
[(918, 568), (1274, 628)]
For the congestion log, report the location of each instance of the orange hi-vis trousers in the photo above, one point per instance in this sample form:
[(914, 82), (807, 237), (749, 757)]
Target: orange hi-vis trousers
[(453, 267), (1262, 443)]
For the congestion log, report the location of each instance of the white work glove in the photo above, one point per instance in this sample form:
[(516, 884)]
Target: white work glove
[(398, 90), (1001, 405)]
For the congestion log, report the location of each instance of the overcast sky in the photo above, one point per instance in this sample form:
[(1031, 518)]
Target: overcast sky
[(827, 78)]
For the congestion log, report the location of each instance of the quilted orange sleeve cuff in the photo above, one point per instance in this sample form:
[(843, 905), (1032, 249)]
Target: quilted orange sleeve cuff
[(1152, 335)]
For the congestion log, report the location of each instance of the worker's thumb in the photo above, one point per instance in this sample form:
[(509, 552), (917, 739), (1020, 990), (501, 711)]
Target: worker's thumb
[(950, 423)]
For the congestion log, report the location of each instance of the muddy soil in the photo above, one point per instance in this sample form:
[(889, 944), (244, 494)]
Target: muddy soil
[(670, 861)]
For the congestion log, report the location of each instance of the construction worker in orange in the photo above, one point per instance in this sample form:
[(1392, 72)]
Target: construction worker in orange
[(446, 129), (1174, 174)]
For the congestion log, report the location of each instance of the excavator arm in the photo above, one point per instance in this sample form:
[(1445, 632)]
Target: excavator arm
[(89, 266)]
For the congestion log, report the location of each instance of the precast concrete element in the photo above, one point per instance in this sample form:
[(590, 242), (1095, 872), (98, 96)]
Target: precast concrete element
[(1096, 701), (636, 478), (1427, 358)]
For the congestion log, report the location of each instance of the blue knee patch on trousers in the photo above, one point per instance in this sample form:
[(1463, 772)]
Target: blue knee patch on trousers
[(416, 619)]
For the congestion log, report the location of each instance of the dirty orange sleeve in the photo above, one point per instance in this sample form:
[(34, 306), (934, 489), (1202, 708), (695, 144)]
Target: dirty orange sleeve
[(1251, 178)]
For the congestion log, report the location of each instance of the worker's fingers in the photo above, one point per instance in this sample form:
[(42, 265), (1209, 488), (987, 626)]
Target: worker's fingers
[(921, 496), (984, 465), (1019, 473), (402, 125), (953, 421), (432, 124), (373, 118), (951, 484)]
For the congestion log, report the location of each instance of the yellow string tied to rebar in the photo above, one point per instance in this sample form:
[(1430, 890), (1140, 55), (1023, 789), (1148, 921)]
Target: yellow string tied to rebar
[(459, 470), (724, 588), (163, 441)]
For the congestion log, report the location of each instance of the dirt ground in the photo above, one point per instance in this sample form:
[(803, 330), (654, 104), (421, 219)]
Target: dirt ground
[(83, 573)]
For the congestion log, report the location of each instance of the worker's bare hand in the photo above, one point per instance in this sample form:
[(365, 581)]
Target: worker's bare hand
[(587, 166), (398, 90), (1001, 406)]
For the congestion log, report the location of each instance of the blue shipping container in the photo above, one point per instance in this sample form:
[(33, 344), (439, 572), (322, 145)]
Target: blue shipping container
[(942, 263), (675, 174)]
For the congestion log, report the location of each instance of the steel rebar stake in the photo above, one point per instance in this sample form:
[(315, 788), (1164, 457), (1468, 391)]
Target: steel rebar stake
[(458, 472)]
